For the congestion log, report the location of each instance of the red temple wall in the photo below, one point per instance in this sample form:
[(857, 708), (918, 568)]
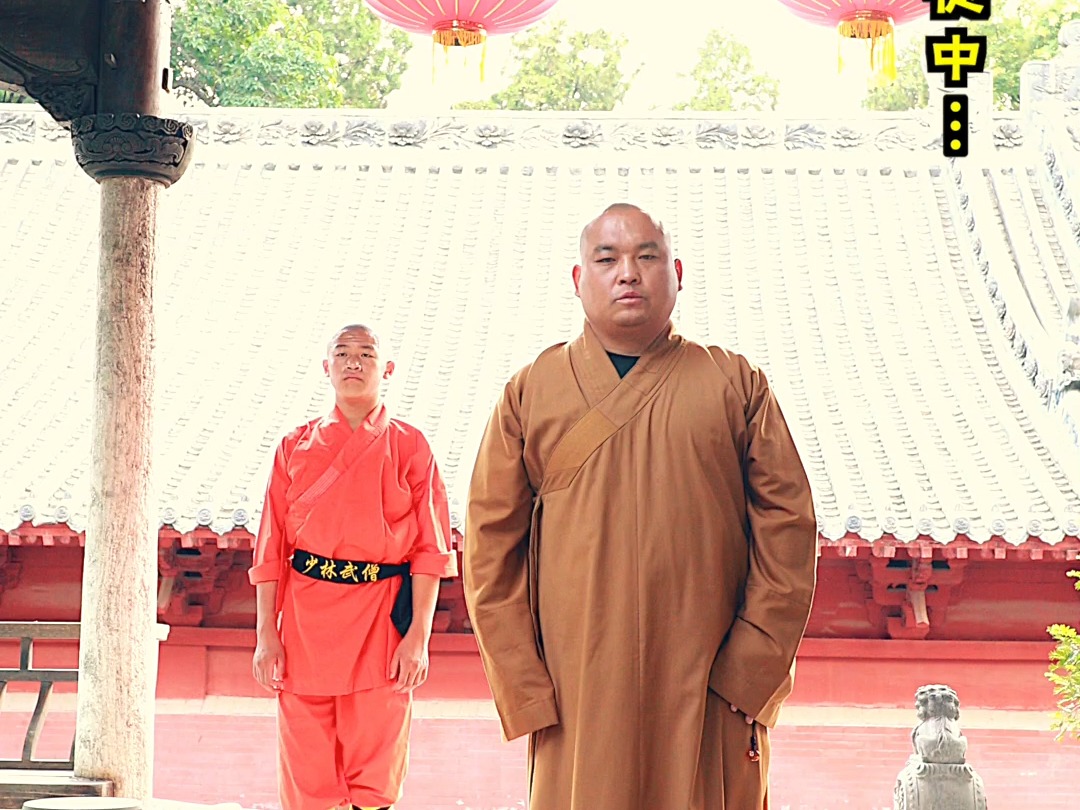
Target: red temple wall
[(995, 600), (197, 662), (984, 629)]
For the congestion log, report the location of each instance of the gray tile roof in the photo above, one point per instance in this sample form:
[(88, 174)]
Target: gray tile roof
[(906, 309)]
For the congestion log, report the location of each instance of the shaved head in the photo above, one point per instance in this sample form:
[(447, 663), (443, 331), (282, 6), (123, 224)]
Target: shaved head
[(354, 331), (628, 278), (356, 367), (620, 208)]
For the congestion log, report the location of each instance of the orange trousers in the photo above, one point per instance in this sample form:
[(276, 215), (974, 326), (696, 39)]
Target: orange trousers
[(342, 750)]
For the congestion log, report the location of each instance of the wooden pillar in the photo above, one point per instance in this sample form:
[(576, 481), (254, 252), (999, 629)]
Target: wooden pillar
[(102, 67), (134, 155), (114, 737)]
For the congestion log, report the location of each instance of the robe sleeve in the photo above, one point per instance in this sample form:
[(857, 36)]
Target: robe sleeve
[(754, 667), (496, 575), (270, 541), (430, 553)]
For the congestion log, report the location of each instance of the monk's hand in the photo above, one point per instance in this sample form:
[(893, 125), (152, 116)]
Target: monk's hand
[(749, 719), (409, 664), (268, 665)]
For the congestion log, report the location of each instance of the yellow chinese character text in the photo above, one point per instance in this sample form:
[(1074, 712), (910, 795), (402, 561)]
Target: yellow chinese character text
[(955, 55), (958, 9)]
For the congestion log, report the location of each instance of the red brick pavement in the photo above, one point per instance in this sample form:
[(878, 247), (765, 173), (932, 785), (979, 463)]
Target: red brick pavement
[(464, 765)]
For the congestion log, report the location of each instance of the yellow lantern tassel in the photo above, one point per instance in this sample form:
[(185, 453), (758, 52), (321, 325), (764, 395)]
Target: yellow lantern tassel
[(875, 28), (460, 34)]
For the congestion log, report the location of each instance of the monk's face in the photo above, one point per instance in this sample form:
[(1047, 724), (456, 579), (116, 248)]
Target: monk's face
[(627, 278), (354, 365)]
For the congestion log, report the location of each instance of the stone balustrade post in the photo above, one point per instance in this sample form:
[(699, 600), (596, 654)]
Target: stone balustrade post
[(937, 777)]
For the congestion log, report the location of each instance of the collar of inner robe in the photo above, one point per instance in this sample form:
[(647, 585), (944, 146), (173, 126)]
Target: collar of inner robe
[(622, 362)]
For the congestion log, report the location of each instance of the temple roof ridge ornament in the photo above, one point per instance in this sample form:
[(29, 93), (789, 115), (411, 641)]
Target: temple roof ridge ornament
[(708, 134)]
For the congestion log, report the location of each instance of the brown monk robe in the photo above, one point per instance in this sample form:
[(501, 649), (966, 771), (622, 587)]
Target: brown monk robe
[(640, 550)]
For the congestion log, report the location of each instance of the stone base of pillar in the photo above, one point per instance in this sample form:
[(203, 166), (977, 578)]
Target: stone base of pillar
[(18, 787), (83, 803)]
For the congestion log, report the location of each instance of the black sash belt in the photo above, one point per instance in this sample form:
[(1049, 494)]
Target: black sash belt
[(351, 572)]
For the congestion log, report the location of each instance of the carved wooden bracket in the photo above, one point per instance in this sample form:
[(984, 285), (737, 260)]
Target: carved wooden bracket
[(100, 67), (909, 589), (132, 145), (193, 581), (49, 51), (9, 570)]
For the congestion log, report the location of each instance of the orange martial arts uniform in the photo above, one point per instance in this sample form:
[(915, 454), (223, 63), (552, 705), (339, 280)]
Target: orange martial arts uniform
[(343, 732)]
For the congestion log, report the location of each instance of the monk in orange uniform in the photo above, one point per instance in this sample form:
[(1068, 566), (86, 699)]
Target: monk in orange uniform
[(640, 550), (351, 548)]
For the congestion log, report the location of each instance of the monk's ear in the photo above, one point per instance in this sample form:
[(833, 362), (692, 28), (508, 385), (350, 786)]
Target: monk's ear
[(326, 367), (389, 369), (678, 271), (577, 280)]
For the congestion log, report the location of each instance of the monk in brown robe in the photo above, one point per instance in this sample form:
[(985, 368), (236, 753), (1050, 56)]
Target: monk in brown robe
[(640, 550)]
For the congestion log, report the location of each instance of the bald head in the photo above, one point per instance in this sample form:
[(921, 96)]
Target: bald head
[(357, 368), (628, 278), (620, 208), (353, 332)]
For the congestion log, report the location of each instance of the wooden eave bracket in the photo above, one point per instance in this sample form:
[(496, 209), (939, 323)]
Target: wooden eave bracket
[(49, 50)]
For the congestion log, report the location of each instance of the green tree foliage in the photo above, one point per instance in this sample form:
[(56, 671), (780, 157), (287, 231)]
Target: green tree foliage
[(284, 53), (1020, 32), (1028, 32), (11, 97), (370, 54), (251, 53), (559, 69), (725, 78), (1064, 674)]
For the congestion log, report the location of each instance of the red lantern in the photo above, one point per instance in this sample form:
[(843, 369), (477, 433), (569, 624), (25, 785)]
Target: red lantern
[(872, 21), (461, 23)]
